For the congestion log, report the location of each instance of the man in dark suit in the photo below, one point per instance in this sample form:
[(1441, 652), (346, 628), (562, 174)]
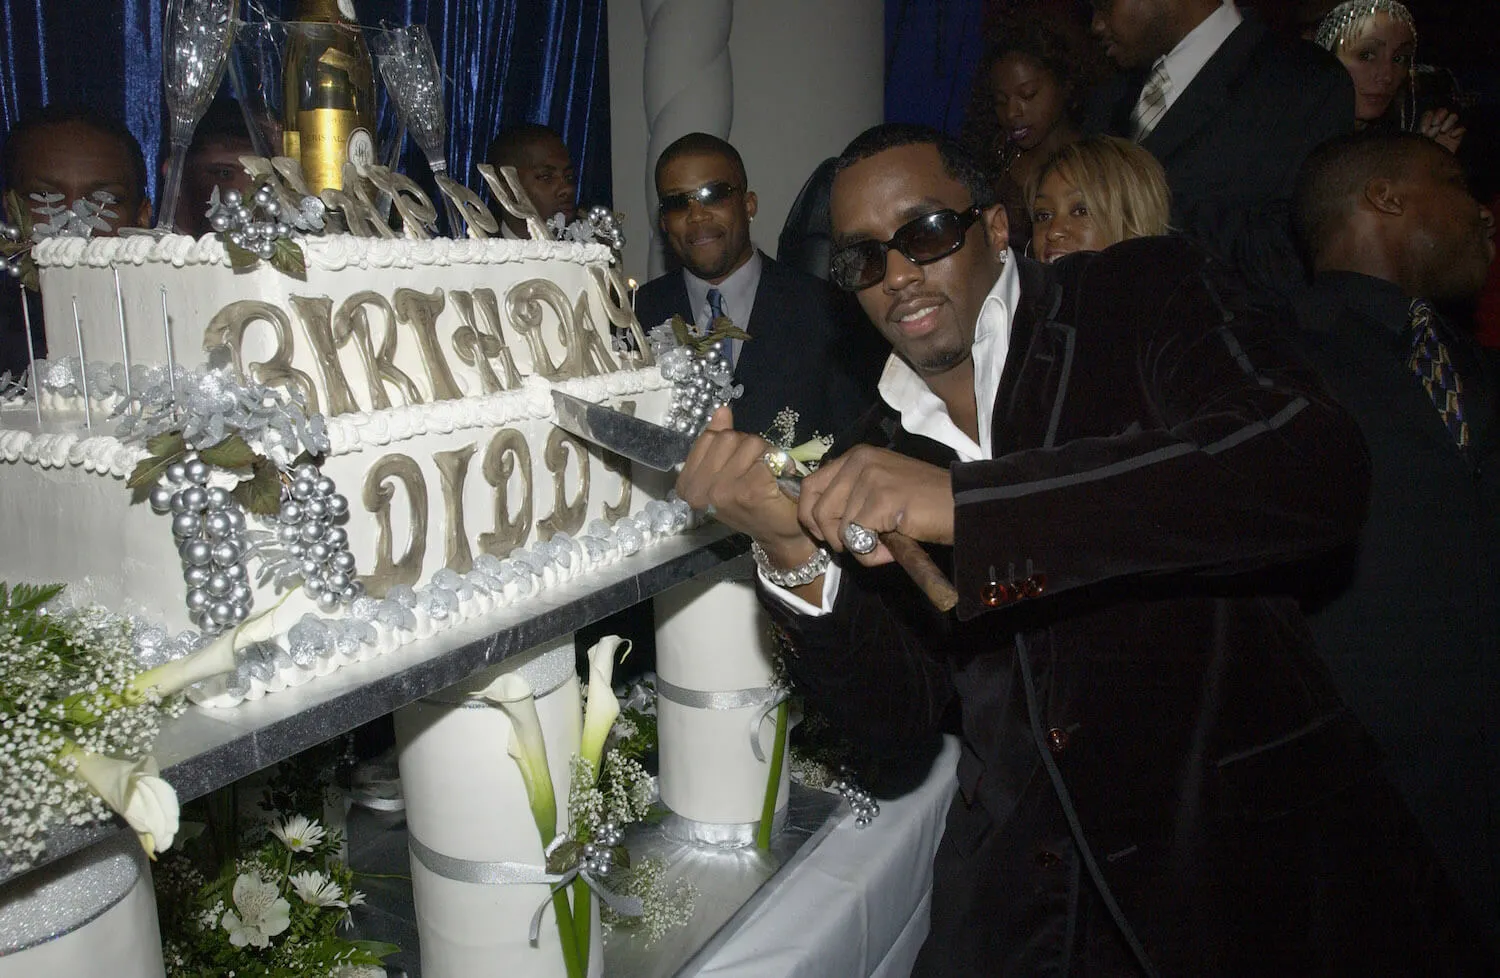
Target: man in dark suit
[(805, 351), (1409, 620), (1230, 111), (1113, 454)]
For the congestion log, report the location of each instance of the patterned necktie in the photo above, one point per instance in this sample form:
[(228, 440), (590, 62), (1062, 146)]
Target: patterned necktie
[(715, 311), (1152, 104), (1430, 362)]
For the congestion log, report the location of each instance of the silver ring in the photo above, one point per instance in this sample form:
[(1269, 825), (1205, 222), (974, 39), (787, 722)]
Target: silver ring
[(860, 539)]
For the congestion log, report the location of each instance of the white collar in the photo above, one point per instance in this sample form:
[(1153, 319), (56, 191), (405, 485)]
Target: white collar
[(1185, 60), (924, 413)]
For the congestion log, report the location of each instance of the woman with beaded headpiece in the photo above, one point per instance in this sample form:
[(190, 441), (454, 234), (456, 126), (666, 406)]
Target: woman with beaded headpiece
[(1376, 40)]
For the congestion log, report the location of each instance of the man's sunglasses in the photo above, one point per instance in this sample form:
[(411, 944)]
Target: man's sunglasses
[(707, 196), (931, 237)]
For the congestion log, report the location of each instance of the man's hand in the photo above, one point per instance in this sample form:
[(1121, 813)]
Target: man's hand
[(726, 470), (881, 491)]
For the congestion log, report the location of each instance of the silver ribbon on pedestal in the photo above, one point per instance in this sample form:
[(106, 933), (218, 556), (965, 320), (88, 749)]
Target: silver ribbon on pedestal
[(766, 698), (490, 873)]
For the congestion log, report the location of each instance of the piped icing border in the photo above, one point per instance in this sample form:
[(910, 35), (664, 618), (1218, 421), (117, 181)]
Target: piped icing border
[(347, 433), (334, 252)]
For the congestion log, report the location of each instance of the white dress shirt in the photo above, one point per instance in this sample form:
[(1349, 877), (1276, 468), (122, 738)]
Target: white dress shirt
[(1191, 53), (924, 413), (738, 292)]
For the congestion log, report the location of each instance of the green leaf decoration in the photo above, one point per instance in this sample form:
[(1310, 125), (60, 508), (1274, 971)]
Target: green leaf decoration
[(17, 211), (231, 453), (287, 258), (147, 472), (378, 949), (28, 597), (240, 259), (167, 443), (682, 331), (621, 856), (261, 493), (307, 458), (564, 857)]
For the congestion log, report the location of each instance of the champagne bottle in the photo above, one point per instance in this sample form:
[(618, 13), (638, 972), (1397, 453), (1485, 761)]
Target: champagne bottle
[(329, 93)]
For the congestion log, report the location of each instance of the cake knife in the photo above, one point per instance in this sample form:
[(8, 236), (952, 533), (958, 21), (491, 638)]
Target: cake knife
[(664, 449)]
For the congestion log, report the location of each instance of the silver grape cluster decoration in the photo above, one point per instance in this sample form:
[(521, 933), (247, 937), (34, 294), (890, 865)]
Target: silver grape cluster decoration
[(701, 382), (209, 527), (316, 547), (598, 853), (13, 258), (255, 226)]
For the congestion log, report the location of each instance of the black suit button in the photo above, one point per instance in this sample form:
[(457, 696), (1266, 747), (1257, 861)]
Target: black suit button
[(994, 594), (1057, 740), (1033, 586), (1047, 859)]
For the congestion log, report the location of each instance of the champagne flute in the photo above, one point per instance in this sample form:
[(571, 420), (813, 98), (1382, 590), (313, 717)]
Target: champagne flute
[(195, 47), (409, 68)]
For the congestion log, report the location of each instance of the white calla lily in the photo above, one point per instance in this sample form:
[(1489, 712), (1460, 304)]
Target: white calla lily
[(514, 695), (135, 790), (215, 658), (599, 715)]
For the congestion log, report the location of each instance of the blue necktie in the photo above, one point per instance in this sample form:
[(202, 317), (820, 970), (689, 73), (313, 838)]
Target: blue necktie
[(715, 311)]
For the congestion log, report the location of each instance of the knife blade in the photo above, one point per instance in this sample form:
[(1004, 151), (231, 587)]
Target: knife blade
[(635, 438), (663, 449)]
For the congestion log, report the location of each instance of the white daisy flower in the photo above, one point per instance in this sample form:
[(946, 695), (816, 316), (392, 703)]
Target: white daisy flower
[(299, 833), (262, 912), (317, 889)]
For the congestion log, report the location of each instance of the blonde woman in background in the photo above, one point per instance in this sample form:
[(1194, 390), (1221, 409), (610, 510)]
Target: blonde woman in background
[(1376, 40), (1094, 193)]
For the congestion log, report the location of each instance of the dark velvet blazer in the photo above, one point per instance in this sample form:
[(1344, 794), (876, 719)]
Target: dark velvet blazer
[(1409, 619), (808, 349), (1232, 142), (1135, 689)]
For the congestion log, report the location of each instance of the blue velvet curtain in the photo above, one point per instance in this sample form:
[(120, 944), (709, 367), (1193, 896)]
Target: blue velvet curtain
[(505, 61)]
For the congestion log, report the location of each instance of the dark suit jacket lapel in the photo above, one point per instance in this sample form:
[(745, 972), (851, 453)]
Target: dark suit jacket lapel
[(1019, 407), (1207, 94)]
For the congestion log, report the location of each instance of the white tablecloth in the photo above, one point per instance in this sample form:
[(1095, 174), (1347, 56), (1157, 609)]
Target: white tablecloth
[(857, 905)]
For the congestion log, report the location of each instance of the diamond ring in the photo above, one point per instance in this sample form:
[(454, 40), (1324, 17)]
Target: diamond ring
[(780, 462), (860, 539)]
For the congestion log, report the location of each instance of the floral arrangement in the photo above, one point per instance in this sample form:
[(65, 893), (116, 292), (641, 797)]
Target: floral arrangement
[(261, 229), (608, 789), (276, 909), (79, 714)]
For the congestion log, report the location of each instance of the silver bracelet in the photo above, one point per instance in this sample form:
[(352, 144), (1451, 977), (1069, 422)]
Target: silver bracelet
[(807, 572)]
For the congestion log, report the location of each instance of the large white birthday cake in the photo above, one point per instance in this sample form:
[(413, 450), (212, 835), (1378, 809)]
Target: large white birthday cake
[(422, 368)]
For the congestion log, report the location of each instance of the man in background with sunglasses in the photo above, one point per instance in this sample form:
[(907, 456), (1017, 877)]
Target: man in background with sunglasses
[(1112, 455), (806, 349)]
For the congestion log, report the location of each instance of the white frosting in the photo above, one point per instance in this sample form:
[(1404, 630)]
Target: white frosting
[(334, 252)]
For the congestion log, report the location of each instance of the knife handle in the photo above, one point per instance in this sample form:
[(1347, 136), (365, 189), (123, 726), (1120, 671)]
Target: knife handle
[(924, 573)]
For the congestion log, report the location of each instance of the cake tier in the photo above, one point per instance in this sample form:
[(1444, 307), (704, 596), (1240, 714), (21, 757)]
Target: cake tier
[(376, 323), (429, 487)]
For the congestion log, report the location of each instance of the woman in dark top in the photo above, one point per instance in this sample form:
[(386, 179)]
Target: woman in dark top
[(1028, 98)]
